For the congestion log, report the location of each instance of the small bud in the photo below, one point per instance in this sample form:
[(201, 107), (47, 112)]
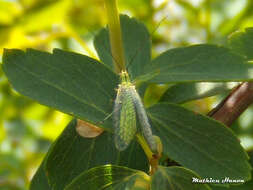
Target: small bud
[(87, 130), (159, 146)]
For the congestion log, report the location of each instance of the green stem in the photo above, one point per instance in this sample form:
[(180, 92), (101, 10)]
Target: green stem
[(144, 146), (152, 158), (115, 35)]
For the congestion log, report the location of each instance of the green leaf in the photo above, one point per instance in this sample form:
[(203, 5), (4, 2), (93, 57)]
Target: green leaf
[(72, 154), (199, 143), (110, 177), (136, 43), (102, 45), (246, 186), (184, 92), (242, 43), (70, 82), (204, 63), (176, 178), (40, 180)]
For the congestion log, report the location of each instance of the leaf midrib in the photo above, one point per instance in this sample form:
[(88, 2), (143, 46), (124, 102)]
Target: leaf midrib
[(59, 88)]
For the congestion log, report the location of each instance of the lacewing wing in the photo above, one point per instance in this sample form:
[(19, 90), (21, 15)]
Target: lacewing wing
[(124, 117), (143, 120), (126, 105)]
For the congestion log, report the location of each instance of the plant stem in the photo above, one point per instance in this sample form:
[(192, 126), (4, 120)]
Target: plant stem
[(234, 104), (152, 158), (115, 35), (144, 145), (228, 110)]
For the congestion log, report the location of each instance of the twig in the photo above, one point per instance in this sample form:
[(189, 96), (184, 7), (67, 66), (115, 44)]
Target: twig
[(234, 104), (230, 108)]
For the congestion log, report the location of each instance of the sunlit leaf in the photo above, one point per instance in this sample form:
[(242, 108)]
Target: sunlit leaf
[(176, 178), (242, 43), (81, 154), (111, 177), (8, 12), (40, 180), (45, 17)]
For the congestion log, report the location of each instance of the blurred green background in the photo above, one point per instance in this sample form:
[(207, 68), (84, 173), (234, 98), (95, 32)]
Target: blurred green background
[(27, 129)]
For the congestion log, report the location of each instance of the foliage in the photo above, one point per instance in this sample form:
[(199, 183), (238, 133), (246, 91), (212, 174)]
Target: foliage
[(60, 30), (54, 80)]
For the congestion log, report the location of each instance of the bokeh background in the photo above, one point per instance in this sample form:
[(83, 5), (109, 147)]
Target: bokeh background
[(27, 128)]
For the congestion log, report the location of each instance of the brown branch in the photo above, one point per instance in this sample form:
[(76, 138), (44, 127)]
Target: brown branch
[(228, 110), (234, 104)]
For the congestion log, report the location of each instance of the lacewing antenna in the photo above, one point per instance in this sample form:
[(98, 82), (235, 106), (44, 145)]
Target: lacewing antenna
[(138, 49), (142, 43), (126, 105)]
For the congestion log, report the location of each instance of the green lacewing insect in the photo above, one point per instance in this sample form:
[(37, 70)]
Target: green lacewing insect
[(127, 104), (124, 115), (143, 120)]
